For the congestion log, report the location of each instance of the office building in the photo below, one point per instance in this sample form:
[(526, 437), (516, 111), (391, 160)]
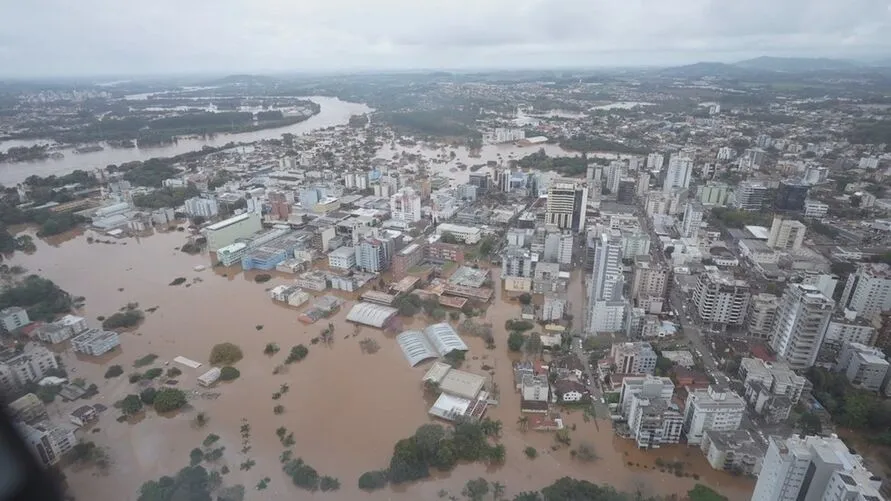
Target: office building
[(606, 306), (786, 234), (626, 191), (634, 358), (567, 204), (483, 182), (13, 318), (801, 321), (791, 196), (814, 469), (405, 206), (815, 209), (712, 409), (865, 367), (226, 232), (692, 220), (680, 169), (204, 207), (750, 196), (761, 315), (95, 342), (721, 299), (868, 290)]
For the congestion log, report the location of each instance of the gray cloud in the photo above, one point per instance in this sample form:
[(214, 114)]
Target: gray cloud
[(58, 37)]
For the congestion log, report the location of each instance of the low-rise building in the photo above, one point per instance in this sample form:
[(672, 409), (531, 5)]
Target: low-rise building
[(735, 451), (654, 422), (28, 367), (648, 387), (634, 358), (864, 366), (535, 388), (210, 377), (62, 329), (467, 234), (95, 342), (28, 408), (343, 258), (83, 415)]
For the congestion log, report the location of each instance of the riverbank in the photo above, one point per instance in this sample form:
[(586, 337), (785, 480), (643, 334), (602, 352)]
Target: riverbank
[(337, 394)]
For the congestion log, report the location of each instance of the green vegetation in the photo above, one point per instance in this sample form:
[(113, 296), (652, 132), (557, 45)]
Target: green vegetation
[(306, 477), (229, 373), (146, 360), (518, 325), (123, 320), (148, 396), (566, 166), (871, 132), (43, 299), (210, 440), (452, 122), (191, 483), (135, 377), (178, 281), (371, 480), (225, 354), (851, 407), (515, 341), (271, 349), (297, 354), (476, 489), (262, 278), (583, 143), (130, 405), (165, 197), (153, 373), (169, 399), (703, 493), (531, 452), (149, 173), (732, 218), (432, 446), (113, 371), (174, 372)]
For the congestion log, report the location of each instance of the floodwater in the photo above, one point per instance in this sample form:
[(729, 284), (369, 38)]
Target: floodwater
[(346, 409), (333, 112)]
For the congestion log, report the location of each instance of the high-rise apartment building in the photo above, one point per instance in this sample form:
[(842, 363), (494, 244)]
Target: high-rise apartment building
[(761, 316), (567, 204), (721, 299), (634, 358), (650, 280), (814, 469), (787, 234), (712, 409), (868, 290), (405, 206), (801, 321), (655, 161), (692, 220), (606, 306), (750, 196), (680, 169)]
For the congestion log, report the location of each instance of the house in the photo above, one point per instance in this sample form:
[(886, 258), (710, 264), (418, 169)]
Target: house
[(568, 365), (569, 390), (83, 415)]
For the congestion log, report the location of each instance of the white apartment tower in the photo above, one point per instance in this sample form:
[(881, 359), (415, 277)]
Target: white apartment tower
[(712, 409), (606, 306), (814, 469), (868, 290), (801, 321), (692, 220), (720, 299), (405, 205), (680, 169), (655, 161), (787, 234), (567, 204)]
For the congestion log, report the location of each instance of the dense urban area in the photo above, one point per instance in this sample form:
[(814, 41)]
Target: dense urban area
[(654, 284)]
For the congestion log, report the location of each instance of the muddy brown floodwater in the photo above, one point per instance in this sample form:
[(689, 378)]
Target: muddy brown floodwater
[(346, 409)]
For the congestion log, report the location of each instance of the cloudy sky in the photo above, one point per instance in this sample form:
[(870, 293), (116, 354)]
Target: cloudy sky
[(123, 37)]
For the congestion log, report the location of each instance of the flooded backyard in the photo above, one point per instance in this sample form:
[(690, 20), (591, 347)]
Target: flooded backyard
[(346, 409)]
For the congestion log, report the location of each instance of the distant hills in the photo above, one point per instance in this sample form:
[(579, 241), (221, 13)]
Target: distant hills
[(767, 65)]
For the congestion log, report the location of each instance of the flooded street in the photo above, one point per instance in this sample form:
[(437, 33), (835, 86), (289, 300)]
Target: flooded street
[(346, 409)]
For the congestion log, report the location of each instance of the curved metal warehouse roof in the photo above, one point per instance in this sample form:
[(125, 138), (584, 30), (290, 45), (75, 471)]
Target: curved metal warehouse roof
[(374, 315), (415, 347)]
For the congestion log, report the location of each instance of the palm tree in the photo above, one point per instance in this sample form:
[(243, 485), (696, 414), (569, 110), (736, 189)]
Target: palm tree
[(284, 388), (496, 428), (201, 420), (523, 423), (497, 490), (497, 454)]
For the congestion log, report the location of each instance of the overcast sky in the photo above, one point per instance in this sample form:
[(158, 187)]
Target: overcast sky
[(121, 37)]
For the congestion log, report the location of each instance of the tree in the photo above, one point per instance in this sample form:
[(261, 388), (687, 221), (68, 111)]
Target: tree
[(523, 423), (525, 298), (195, 457), (114, 371), (515, 341), (148, 396), (476, 489), (497, 491), (225, 354), (271, 349), (528, 496), (297, 354), (169, 399), (497, 454), (131, 404), (531, 452), (229, 373), (371, 480), (534, 344), (702, 493)]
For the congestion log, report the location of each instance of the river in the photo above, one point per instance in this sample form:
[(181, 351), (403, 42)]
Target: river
[(333, 112), (345, 408)]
